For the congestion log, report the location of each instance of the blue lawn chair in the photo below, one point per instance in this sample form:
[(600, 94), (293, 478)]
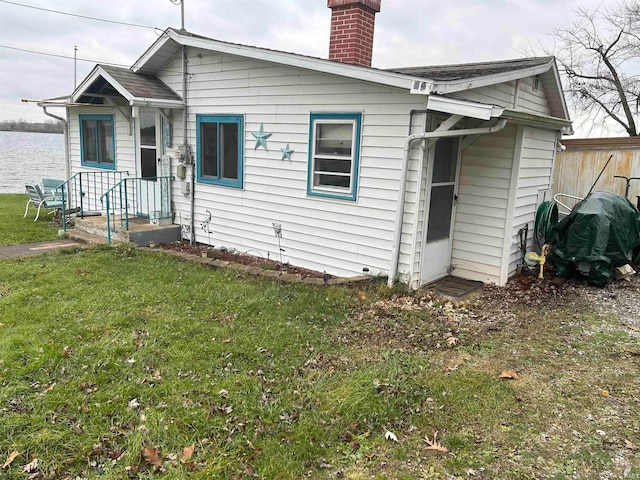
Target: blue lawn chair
[(50, 201)]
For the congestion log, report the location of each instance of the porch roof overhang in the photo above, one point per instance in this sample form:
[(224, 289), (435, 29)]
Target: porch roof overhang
[(553, 123), (465, 108), (136, 89)]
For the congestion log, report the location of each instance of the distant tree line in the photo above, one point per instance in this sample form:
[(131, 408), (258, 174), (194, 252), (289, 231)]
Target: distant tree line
[(48, 126)]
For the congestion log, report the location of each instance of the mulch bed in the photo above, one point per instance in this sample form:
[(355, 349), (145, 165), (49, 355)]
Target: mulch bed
[(200, 249)]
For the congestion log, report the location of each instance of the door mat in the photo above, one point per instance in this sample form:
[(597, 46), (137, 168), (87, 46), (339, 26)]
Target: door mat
[(454, 286)]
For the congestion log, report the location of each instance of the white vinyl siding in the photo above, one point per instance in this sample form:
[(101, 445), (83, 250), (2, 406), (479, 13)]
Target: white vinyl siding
[(536, 163), (482, 207), (528, 99), (320, 233)]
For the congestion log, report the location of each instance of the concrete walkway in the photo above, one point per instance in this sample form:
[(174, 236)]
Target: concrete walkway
[(31, 249)]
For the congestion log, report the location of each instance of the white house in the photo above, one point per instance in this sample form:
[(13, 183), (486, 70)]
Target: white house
[(413, 172)]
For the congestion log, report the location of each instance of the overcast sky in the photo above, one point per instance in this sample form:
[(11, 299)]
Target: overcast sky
[(407, 33)]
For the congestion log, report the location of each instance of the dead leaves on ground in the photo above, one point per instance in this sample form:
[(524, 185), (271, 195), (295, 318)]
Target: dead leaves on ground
[(12, 456), (187, 453), (152, 458), (30, 467), (509, 374), (434, 445)]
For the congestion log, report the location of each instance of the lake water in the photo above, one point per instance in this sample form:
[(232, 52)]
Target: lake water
[(29, 157)]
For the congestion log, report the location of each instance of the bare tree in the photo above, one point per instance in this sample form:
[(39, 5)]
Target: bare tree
[(599, 54)]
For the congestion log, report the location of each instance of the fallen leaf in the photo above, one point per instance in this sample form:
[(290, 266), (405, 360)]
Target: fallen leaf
[(627, 444), (187, 453), (152, 456), (1, 325), (390, 436), (66, 351), (82, 272), (509, 374), (434, 445), (634, 328), (226, 340), (31, 466), (134, 403), (12, 456), (50, 387), (605, 393), (362, 295), (452, 340)]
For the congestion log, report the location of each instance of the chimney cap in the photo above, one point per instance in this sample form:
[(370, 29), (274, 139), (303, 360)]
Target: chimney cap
[(372, 4)]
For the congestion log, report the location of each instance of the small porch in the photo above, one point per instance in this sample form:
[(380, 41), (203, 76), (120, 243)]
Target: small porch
[(105, 207), (141, 231)]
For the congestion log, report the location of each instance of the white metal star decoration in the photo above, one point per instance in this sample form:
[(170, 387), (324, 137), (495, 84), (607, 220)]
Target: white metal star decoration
[(261, 138), (286, 152)]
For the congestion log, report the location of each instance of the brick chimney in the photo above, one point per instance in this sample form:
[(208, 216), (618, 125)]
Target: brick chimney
[(352, 22)]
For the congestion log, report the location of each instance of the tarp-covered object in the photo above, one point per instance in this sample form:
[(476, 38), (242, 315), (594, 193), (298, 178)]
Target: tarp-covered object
[(602, 230)]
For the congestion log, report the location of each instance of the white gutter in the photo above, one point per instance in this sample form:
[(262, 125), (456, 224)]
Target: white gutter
[(397, 232)]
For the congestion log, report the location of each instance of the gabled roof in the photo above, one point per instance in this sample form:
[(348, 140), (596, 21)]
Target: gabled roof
[(167, 46), (459, 77), (136, 88), (466, 71), (441, 79)]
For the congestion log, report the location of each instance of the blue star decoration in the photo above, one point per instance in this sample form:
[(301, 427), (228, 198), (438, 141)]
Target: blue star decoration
[(286, 152), (261, 138)]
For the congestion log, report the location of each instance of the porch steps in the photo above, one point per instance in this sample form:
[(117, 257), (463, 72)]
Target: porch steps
[(85, 237), (140, 232)]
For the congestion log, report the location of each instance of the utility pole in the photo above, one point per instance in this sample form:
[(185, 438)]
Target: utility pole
[(182, 14), (75, 66)]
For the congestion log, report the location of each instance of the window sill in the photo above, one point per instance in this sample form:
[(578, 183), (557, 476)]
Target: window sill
[(350, 197), (99, 166)]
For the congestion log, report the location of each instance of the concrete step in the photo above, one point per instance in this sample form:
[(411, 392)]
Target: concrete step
[(85, 237), (141, 231)]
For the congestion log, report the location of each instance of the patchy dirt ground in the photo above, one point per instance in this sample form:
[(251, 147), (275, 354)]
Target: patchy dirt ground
[(242, 258)]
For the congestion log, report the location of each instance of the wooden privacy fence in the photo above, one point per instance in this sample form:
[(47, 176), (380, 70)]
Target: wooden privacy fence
[(579, 165)]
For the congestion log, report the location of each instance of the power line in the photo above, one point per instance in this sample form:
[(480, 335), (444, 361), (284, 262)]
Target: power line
[(79, 16), (63, 56)]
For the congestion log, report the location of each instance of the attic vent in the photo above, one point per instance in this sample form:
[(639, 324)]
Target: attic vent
[(536, 83)]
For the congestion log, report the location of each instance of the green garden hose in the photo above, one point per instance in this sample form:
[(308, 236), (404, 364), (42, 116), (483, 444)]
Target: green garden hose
[(546, 218)]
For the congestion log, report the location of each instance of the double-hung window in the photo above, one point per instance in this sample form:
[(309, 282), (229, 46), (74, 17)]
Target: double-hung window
[(97, 141), (220, 141), (334, 153)]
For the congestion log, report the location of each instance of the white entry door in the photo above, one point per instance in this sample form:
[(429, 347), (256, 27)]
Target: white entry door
[(150, 145), (441, 198)]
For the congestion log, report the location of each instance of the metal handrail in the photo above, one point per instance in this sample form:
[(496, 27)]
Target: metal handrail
[(80, 192), (128, 199)]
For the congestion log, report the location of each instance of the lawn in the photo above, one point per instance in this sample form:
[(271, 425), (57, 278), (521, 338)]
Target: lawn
[(121, 363), (15, 230)]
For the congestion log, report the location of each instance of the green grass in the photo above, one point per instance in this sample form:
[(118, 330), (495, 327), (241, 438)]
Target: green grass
[(16, 230), (107, 352)]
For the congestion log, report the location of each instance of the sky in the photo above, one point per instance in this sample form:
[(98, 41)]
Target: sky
[(407, 33)]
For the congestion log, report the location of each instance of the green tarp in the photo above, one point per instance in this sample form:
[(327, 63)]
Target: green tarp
[(602, 230)]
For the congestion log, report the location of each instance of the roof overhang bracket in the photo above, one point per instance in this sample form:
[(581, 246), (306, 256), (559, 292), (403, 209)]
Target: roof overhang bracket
[(166, 117), (124, 113)]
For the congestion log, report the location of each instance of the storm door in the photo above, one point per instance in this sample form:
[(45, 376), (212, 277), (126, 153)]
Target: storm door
[(442, 187), (149, 142)]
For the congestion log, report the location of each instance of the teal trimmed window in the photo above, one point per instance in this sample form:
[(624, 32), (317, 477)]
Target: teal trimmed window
[(334, 155), (97, 141), (220, 152)]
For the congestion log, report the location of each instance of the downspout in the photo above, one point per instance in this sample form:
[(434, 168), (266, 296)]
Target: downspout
[(397, 232), (65, 129)]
